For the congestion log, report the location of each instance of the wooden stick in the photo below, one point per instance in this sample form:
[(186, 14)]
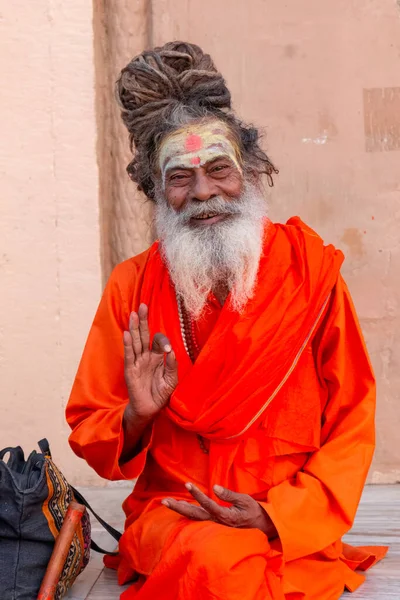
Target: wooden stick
[(61, 548)]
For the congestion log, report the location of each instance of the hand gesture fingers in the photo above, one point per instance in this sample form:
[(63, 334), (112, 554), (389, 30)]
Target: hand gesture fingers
[(251, 513), (143, 313), (129, 355), (186, 509), (137, 339), (139, 330), (207, 511), (129, 359), (245, 512), (242, 501), (151, 374), (161, 344), (171, 370), (218, 513), (135, 334)]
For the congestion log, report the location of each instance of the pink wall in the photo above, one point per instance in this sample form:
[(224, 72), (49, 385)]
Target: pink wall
[(323, 81), (50, 275)]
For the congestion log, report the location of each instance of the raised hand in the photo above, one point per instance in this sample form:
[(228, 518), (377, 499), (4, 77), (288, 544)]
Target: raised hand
[(245, 512), (151, 374)]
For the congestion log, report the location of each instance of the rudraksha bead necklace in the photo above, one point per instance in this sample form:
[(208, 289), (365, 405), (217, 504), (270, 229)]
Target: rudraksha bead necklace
[(191, 345)]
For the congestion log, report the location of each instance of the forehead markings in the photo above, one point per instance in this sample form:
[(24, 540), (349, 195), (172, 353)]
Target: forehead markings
[(193, 142), (197, 146), (195, 161)]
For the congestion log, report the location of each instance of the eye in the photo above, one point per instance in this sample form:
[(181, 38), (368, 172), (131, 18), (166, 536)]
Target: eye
[(180, 177), (220, 171), (219, 168)]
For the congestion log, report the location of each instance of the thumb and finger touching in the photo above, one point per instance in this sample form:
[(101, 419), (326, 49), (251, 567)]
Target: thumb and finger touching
[(137, 345), (161, 344)]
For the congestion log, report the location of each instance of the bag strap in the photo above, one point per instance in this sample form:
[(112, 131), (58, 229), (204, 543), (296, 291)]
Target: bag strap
[(96, 548), (16, 460), (113, 532), (5, 450), (45, 447)]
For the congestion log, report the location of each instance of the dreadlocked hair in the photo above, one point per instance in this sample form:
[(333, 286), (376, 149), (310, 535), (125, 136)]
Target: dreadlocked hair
[(162, 90)]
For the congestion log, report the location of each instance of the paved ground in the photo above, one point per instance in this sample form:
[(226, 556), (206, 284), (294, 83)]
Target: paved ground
[(377, 522)]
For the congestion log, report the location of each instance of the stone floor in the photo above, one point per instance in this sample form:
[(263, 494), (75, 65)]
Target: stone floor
[(377, 522)]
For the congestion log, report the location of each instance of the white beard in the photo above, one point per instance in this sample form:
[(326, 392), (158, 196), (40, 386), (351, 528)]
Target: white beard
[(200, 259)]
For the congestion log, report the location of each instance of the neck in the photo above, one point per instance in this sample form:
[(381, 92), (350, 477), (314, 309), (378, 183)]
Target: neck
[(221, 291)]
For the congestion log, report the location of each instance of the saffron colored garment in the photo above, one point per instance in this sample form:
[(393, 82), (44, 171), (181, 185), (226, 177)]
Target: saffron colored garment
[(284, 396)]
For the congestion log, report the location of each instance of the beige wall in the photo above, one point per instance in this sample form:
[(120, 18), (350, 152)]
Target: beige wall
[(323, 81), (322, 78), (49, 233)]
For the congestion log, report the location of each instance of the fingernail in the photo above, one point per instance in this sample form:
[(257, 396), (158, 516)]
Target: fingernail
[(167, 348), (188, 486), (165, 502), (218, 489)]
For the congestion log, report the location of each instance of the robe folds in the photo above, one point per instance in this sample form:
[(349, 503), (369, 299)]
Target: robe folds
[(284, 395)]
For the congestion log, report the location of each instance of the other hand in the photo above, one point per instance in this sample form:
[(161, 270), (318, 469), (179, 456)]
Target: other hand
[(245, 512), (151, 374)]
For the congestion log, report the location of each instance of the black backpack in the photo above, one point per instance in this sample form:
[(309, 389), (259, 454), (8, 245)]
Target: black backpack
[(34, 497)]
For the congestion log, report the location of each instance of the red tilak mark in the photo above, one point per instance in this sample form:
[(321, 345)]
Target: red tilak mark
[(193, 142), (373, 218), (195, 160)]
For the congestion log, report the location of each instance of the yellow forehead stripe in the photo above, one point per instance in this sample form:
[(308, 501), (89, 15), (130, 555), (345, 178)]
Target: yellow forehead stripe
[(195, 145)]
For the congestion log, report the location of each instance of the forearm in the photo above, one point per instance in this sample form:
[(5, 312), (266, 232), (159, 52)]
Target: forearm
[(133, 428)]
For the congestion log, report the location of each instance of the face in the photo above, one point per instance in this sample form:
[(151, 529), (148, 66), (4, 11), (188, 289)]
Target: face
[(198, 163)]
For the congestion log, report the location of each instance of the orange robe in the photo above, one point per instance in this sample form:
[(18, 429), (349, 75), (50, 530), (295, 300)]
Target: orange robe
[(285, 396)]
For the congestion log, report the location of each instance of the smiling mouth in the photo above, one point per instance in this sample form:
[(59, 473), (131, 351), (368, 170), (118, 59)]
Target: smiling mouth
[(208, 218)]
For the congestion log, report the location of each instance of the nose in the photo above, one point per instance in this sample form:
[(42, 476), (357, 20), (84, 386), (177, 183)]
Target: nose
[(203, 187)]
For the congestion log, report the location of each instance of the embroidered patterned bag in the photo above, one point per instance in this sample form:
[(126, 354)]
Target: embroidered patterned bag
[(34, 497)]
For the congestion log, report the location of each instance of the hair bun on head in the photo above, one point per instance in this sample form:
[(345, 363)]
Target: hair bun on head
[(157, 80)]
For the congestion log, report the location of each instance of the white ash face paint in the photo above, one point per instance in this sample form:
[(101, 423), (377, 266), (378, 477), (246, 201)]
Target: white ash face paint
[(195, 145)]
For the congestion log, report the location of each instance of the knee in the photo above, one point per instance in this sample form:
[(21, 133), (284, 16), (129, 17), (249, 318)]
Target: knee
[(209, 555), (215, 550)]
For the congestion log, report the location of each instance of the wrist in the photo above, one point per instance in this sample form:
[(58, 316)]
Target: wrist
[(266, 525), (133, 416)]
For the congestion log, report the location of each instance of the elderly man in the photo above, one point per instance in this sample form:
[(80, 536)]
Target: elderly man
[(225, 368)]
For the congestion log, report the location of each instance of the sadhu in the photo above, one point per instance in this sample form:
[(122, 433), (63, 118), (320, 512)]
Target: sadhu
[(225, 368)]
